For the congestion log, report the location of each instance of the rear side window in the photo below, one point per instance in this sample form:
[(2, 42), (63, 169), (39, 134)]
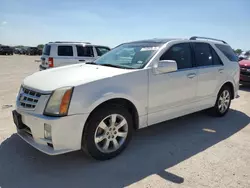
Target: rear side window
[(65, 51), (203, 54), (101, 50), (227, 51), (216, 58), (84, 51), (181, 53), (46, 49)]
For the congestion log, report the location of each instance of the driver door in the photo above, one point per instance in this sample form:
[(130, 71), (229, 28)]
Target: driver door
[(170, 94)]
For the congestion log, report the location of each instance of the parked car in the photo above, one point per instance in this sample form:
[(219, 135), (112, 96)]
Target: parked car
[(33, 51), (245, 71), (56, 54), (96, 106), (18, 51), (6, 50), (23, 50)]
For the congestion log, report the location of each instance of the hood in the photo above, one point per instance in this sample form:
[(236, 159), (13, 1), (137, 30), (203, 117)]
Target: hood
[(245, 63), (72, 75)]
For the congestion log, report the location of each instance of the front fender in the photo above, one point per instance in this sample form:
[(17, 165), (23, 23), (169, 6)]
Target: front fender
[(86, 102)]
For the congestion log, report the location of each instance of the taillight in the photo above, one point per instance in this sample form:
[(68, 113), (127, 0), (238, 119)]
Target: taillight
[(51, 62)]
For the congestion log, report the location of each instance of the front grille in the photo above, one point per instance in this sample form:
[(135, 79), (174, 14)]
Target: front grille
[(28, 98), (245, 73)]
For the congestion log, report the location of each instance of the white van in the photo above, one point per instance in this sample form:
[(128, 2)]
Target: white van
[(56, 54)]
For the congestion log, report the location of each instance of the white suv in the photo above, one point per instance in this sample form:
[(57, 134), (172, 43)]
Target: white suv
[(96, 106), (56, 54)]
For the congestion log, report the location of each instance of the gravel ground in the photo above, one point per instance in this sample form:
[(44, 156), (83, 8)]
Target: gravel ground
[(193, 151)]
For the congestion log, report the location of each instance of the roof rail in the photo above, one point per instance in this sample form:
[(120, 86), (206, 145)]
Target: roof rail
[(195, 38), (69, 42)]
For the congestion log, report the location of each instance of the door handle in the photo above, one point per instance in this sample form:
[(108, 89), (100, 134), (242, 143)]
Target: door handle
[(82, 60), (221, 70), (191, 75)]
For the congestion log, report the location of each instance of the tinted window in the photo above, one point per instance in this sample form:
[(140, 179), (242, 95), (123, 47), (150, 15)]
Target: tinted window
[(86, 51), (46, 49), (203, 54), (181, 53), (216, 58), (65, 51), (101, 50), (227, 51)]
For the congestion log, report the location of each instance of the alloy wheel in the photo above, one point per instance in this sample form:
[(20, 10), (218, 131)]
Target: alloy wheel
[(111, 133)]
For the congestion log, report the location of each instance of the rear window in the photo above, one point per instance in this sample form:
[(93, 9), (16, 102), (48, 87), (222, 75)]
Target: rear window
[(227, 51), (46, 49), (65, 51)]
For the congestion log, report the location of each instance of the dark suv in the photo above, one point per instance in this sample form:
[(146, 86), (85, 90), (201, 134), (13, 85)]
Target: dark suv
[(6, 50), (33, 51)]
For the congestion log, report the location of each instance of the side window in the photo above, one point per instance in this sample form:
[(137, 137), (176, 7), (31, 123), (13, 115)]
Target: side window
[(227, 51), (181, 53), (84, 51), (203, 54), (216, 58), (101, 50), (65, 51)]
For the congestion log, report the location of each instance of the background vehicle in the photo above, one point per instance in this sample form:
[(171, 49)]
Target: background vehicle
[(33, 51), (17, 50), (6, 50), (56, 54), (98, 105), (245, 71)]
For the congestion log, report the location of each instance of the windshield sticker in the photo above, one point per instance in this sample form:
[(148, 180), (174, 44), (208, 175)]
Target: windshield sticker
[(150, 48)]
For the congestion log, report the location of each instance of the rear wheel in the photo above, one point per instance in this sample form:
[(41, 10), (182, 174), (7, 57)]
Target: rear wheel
[(107, 132), (223, 102)]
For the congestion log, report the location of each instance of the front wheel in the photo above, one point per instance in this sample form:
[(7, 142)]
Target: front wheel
[(223, 102), (107, 132)]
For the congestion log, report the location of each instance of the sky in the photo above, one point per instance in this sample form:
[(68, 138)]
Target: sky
[(33, 22)]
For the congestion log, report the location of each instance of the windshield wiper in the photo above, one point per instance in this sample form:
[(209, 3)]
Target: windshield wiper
[(109, 65), (116, 66), (91, 63)]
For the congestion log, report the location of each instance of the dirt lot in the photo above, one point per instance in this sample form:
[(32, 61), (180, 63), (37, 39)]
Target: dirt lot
[(193, 151)]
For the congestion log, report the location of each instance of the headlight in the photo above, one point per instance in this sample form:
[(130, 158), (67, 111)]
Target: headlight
[(59, 101)]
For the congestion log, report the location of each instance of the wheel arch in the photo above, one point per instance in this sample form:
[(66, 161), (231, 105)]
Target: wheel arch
[(119, 101), (231, 86)]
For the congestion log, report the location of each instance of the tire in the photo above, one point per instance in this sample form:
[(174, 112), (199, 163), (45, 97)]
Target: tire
[(218, 110), (96, 148)]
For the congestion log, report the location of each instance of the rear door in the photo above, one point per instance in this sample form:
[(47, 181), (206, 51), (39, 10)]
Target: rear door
[(210, 70), (84, 54), (65, 56)]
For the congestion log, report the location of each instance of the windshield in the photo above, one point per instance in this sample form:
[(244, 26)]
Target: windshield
[(130, 55)]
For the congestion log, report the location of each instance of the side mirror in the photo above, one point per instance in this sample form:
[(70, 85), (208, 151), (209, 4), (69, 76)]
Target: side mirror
[(165, 66)]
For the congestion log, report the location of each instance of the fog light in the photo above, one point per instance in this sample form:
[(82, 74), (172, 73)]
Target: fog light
[(47, 131)]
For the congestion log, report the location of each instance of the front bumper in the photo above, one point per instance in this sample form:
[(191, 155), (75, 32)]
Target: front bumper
[(245, 78), (66, 132)]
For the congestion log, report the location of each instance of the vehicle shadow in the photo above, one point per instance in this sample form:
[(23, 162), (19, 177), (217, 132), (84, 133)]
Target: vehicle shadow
[(245, 87), (152, 150)]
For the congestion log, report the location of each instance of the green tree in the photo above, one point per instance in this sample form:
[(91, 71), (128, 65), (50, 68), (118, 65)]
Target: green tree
[(238, 51), (40, 46), (19, 46)]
